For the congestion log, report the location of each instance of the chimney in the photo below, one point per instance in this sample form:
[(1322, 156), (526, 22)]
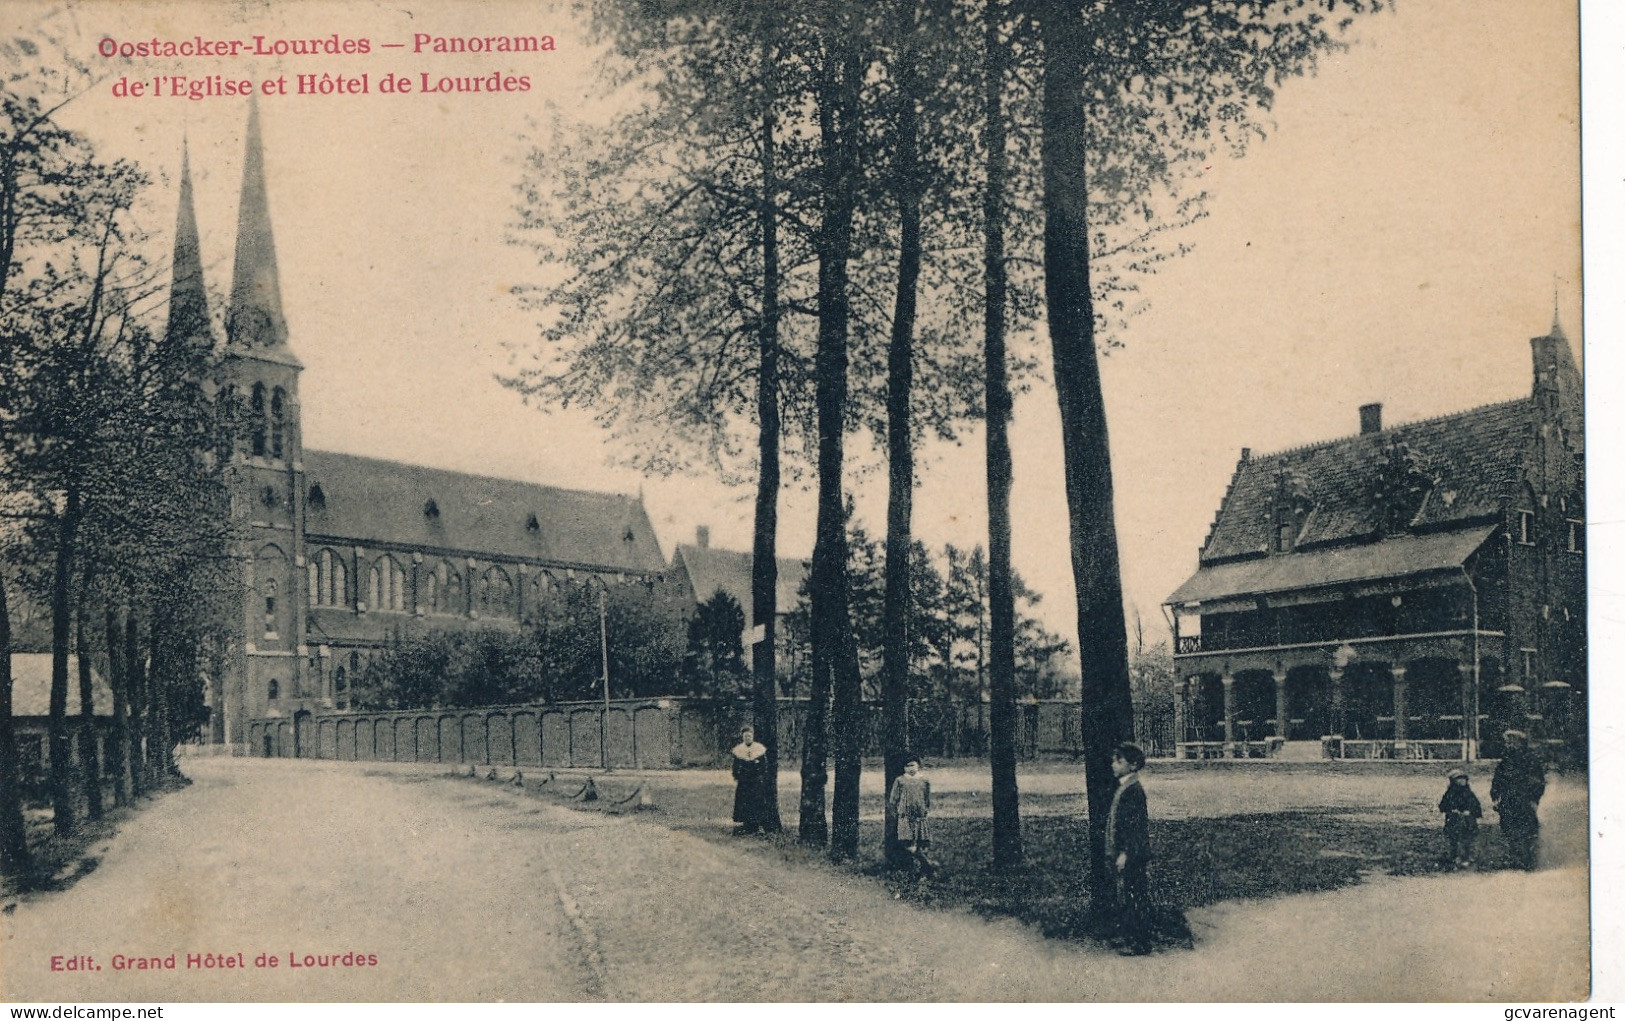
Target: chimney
[(1370, 418), (702, 536)]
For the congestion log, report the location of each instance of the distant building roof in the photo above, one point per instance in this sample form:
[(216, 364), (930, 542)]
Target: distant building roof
[(368, 500), (1401, 555), (711, 569), (31, 686), (1472, 459)]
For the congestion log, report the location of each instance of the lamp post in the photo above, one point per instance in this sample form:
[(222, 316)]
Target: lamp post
[(603, 646)]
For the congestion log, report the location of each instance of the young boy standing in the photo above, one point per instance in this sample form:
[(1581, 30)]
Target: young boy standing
[(1461, 814), (1128, 844)]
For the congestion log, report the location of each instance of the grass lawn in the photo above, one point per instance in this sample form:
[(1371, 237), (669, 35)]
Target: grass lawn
[(1217, 834)]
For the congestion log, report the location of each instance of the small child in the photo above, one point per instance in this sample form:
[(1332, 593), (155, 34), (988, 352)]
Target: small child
[(910, 799), (1461, 814)]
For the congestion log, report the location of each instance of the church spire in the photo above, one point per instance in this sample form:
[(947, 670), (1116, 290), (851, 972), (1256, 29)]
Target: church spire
[(255, 318), (188, 299)]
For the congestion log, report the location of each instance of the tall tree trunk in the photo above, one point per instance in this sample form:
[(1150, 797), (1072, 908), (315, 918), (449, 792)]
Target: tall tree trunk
[(14, 857), (135, 678), (118, 680), (1007, 850), (1102, 638), (764, 580), (831, 627), (61, 743), (838, 116), (899, 427), (168, 663), (89, 754)]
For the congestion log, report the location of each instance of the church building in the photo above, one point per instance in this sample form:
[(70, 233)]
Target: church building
[(340, 553)]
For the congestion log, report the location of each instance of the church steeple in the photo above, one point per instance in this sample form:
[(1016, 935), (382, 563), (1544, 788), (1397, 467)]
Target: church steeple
[(255, 319), (188, 299)]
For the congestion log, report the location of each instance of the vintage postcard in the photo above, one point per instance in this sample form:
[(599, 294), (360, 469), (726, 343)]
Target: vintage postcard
[(388, 393)]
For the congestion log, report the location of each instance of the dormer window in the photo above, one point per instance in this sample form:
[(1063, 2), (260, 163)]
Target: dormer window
[(316, 499), (532, 525), (1290, 509), (431, 510)]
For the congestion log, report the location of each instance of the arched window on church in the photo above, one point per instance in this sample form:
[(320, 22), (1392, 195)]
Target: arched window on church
[(271, 690), (256, 421), (496, 594), (443, 589), (341, 686), (270, 608), (279, 399), (387, 584), (327, 580)]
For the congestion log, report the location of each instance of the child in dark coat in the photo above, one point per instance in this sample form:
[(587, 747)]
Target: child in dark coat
[(1461, 814)]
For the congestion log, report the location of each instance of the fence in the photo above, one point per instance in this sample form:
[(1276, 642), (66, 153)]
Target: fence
[(646, 733)]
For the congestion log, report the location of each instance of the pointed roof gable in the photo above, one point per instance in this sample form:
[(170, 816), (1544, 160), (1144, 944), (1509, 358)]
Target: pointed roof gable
[(712, 570), (1472, 459), (188, 298), (255, 321), (372, 501)]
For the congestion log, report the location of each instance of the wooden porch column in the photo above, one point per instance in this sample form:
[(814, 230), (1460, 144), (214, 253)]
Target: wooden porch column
[(1181, 709), (1464, 672), (1402, 707), (1229, 683), (1280, 705), (1339, 722)]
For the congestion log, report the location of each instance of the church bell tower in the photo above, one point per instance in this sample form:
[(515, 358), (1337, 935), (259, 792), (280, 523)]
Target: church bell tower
[(267, 470)]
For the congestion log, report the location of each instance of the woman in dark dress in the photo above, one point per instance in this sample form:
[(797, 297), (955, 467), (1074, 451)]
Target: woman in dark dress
[(750, 779)]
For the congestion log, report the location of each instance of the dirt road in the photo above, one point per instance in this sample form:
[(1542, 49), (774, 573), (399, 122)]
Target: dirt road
[(465, 891)]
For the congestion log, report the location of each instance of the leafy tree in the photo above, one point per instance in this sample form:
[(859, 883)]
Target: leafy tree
[(714, 666), (1133, 96)]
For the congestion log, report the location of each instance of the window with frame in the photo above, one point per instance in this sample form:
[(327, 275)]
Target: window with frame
[(270, 608), (256, 425), (1528, 668), (1526, 527), (496, 593), (271, 691), (328, 579), (1577, 535), (388, 584), (278, 420), (443, 589)]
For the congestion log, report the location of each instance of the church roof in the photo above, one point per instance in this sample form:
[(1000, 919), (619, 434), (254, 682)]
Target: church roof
[(1472, 458), (373, 501), (31, 686), (712, 569)]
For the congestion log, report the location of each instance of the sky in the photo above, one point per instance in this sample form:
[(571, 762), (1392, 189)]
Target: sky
[(1400, 234)]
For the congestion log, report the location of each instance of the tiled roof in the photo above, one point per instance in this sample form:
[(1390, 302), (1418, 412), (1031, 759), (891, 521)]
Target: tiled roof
[(729, 570), (370, 501), (31, 686), (1398, 556), (1474, 457)]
